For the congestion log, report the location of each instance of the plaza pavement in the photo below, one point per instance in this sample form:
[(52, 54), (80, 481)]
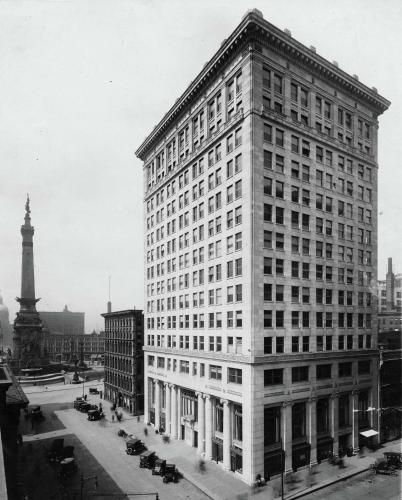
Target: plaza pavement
[(217, 484)]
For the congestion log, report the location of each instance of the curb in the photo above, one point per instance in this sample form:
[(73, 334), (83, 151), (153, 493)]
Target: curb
[(324, 484), (202, 489)]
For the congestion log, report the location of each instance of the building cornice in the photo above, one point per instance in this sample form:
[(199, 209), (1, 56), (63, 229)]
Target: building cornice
[(255, 28), (126, 312)]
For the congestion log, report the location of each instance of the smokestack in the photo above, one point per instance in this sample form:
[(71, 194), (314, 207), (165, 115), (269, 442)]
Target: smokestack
[(390, 286)]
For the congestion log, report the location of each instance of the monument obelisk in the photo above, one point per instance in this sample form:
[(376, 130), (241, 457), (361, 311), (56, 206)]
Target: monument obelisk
[(28, 331)]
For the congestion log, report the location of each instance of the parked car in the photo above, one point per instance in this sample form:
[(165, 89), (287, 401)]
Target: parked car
[(382, 467), (171, 474), (87, 406), (135, 446), (393, 459), (35, 412), (93, 390), (95, 415), (56, 449), (78, 401), (65, 452), (67, 467), (147, 459), (159, 467)]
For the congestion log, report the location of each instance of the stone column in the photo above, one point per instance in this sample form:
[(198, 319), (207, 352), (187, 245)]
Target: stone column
[(355, 420), (179, 412), (201, 423), (312, 428), (334, 421), (157, 404), (286, 94), (374, 405), (208, 427), (286, 426), (227, 436), (168, 410), (146, 398), (173, 413)]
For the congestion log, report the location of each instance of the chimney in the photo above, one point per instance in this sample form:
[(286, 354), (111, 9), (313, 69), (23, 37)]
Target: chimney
[(390, 286)]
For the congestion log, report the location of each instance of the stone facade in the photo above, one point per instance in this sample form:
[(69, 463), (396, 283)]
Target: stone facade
[(124, 359), (28, 349), (260, 223)]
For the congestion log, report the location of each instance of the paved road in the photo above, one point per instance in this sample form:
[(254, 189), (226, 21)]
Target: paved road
[(363, 487), (109, 449), (101, 439)]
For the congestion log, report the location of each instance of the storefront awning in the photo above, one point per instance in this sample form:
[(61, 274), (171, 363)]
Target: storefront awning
[(369, 433)]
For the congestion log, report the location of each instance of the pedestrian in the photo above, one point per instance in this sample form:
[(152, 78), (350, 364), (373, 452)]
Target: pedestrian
[(46, 387), (85, 397), (112, 417)]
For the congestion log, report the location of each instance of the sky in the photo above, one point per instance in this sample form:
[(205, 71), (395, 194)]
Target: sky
[(84, 82)]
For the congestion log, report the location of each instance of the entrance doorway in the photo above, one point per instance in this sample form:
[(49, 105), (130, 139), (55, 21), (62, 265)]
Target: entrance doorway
[(195, 439), (217, 452)]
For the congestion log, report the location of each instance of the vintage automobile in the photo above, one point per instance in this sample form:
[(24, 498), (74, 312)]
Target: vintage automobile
[(67, 467), (78, 404), (56, 449), (95, 415), (147, 459), (34, 413), (381, 467), (87, 406), (93, 390), (159, 467), (134, 446), (78, 401), (171, 474), (61, 454), (393, 459)]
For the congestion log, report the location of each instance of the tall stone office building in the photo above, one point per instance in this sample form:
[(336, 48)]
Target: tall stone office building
[(260, 192)]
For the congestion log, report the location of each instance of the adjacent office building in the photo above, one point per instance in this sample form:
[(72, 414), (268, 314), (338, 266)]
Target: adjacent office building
[(67, 322), (63, 348), (124, 359), (260, 192)]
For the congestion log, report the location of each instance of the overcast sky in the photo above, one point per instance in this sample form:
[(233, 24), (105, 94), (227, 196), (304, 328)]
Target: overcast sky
[(83, 83)]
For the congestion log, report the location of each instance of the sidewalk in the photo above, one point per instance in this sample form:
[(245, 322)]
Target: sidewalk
[(219, 484)]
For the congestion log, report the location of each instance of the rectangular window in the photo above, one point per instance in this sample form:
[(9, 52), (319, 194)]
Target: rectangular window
[(235, 375), (300, 373), (273, 377), (323, 371), (215, 372)]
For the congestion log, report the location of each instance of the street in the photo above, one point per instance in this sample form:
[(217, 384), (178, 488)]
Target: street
[(101, 440), (362, 487)]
